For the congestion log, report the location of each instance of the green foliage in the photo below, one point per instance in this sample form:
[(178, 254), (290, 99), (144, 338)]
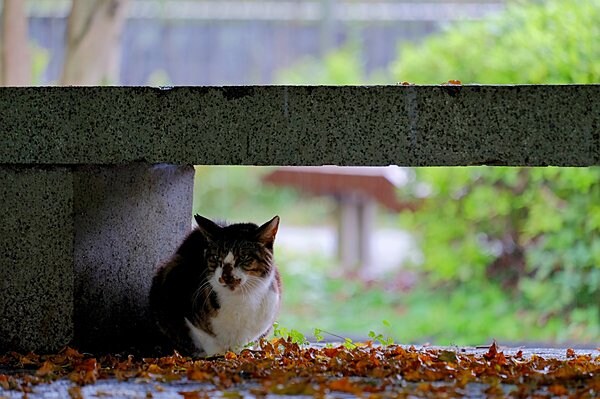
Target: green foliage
[(553, 41), (292, 335), (469, 313), (343, 66), (237, 194), (318, 333), (349, 344), (40, 58), (535, 230), (536, 42), (383, 340)]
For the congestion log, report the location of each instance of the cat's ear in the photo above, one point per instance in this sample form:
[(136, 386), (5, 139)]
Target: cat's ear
[(267, 232), (208, 228)]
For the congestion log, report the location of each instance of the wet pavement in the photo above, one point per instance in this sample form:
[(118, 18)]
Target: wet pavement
[(183, 388)]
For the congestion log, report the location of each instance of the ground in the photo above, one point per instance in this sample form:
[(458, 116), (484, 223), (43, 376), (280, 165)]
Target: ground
[(282, 368)]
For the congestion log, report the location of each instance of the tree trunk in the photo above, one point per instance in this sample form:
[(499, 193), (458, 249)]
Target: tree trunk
[(16, 61), (93, 37)]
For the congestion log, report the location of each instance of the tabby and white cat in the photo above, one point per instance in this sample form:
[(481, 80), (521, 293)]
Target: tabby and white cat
[(221, 289)]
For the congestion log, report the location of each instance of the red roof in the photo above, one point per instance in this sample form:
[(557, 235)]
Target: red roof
[(376, 183)]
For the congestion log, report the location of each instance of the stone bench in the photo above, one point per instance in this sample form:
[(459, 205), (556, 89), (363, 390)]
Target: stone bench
[(96, 183)]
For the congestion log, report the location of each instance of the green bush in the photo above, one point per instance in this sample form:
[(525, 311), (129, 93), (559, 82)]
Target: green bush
[(554, 41), (471, 313), (535, 231)]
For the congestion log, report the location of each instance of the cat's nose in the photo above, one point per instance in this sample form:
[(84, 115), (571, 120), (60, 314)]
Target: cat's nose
[(226, 274), (225, 277), (227, 269)]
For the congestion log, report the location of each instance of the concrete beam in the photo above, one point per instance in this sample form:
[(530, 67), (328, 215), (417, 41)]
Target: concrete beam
[(280, 125)]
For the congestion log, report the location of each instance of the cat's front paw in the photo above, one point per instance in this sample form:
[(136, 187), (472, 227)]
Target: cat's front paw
[(214, 350)]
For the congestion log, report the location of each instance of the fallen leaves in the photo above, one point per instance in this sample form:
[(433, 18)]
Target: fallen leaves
[(75, 392), (286, 368), (193, 395)]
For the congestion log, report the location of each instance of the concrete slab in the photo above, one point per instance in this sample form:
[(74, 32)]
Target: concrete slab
[(36, 258), (298, 125)]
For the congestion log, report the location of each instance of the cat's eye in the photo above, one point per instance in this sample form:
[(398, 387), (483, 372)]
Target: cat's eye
[(247, 266), (246, 262), (213, 258)]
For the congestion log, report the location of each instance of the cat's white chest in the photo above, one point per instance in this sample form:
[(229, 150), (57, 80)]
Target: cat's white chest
[(241, 319)]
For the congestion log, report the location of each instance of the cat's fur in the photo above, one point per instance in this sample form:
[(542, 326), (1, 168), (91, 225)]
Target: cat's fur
[(221, 289)]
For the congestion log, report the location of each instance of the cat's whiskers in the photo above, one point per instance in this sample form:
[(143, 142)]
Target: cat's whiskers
[(252, 285), (199, 291), (245, 292), (195, 297), (206, 299)]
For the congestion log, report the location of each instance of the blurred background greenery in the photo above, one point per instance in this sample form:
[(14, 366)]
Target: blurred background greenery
[(505, 253), (508, 253)]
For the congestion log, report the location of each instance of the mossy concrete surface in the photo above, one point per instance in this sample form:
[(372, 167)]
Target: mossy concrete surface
[(298, 125)]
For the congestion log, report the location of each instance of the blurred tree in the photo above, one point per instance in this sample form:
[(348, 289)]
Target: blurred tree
[(15, 65), (93, 37), (93, 44)]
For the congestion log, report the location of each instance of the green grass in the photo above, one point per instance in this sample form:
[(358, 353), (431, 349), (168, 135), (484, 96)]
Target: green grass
[(465, 315)]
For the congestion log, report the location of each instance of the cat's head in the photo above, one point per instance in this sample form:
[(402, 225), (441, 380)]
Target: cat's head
[(239, 257)]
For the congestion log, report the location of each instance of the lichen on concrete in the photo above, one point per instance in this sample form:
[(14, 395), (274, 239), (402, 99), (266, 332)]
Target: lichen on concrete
[(36, 258), (525, 125)]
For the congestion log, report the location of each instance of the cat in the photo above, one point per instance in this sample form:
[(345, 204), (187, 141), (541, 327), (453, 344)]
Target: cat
[(221, 290)]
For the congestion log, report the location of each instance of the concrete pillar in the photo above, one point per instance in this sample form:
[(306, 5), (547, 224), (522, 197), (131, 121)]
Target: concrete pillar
[(356, 216), (78, 248), (366, 221), (348, 250), (128, 219), (36, 258)]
